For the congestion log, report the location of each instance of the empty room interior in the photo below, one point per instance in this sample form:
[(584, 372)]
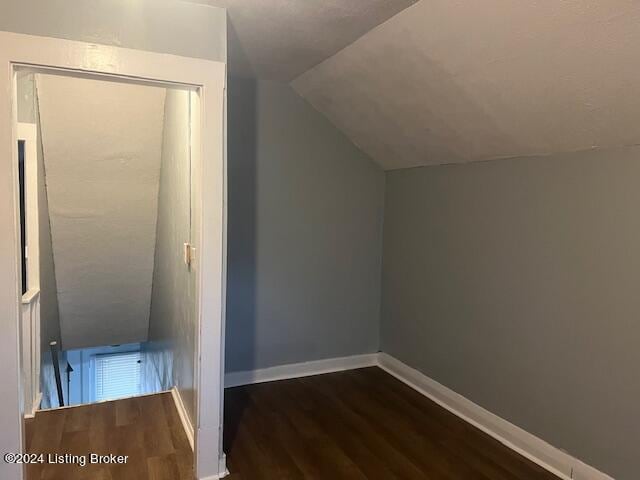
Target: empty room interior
[(293, 239)]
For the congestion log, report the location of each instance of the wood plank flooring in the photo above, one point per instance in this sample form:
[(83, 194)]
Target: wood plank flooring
[(359, 424), (147, 429)]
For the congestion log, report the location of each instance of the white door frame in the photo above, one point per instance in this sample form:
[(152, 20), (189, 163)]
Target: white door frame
[(28, 133), (30, 321), (208, 77)]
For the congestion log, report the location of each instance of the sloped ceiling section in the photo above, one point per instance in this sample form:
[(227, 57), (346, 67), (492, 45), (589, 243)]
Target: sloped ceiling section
[(102, 144), (448, 81), (280, 39)]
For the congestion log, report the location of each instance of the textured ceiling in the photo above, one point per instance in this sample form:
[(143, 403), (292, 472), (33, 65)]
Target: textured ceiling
[(280, 39), (455, 81), (102, 143)]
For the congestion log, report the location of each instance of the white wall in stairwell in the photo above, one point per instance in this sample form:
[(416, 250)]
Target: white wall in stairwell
[(102, 145), (173, 323)]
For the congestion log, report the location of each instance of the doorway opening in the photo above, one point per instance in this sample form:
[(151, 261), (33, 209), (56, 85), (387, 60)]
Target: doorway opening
[(25, 346), (106, 223)]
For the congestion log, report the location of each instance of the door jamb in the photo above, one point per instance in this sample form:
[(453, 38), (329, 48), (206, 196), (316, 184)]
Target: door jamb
[(81, 58)]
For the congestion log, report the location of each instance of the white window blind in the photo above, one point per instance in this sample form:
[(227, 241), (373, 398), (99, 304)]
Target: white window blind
[(118, 375)]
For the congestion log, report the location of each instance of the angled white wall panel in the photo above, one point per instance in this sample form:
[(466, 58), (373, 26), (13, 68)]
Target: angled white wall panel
[(102, 149)]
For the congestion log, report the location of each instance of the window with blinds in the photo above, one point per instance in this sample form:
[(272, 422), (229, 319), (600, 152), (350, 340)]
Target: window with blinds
[(118, 375)]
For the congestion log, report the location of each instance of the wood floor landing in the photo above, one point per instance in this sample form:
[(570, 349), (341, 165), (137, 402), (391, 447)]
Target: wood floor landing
[(147, 429), (359, 424)]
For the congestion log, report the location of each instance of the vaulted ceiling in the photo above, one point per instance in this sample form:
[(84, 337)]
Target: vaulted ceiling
[(280, 39), (448, 81)]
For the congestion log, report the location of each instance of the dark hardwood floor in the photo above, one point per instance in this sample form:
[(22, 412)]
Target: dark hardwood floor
[(147, 429), (359, 424)]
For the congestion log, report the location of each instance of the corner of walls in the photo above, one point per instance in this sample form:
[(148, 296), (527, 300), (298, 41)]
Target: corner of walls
[(305, 221), (552, 459), (511, 282), (383, 173), (381, 268), (336, 127)]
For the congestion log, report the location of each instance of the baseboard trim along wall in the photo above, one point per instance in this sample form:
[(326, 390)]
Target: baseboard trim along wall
[(222, 468), (296, 370), (182, 413), (526, 444)]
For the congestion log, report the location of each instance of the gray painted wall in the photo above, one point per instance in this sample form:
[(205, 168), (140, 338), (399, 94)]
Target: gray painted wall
[(172, 322), (165, 26), (515, 283), (305, 223), (49, 313)]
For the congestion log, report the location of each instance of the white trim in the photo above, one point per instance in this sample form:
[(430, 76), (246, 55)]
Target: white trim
[(30, 318), (30, 295), (296, 370), (208, 79), (182, 413), (37, 403), (30, 346), (222, 468), (224, 471), (526, 444), (36, 406), (216, 477), (28, 133)]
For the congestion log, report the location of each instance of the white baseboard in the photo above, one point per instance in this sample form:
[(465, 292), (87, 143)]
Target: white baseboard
[(296, 370), (538, 451), (526, 444), (215, 477), (182, 413), (222, 467)]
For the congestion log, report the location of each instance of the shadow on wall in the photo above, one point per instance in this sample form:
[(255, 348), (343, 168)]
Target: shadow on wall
[(237, 60), (241, 271), (304, 234)]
